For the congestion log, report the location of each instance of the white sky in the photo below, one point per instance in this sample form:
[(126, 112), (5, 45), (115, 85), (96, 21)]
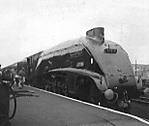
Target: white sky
[(29, 26)]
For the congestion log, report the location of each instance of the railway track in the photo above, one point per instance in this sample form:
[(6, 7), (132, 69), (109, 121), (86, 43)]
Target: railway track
[(141, 99), (140, 107)]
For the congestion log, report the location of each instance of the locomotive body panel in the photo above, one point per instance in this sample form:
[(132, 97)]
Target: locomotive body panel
[(115, 65)]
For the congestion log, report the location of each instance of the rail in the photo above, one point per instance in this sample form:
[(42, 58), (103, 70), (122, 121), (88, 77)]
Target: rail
[(141, 99)]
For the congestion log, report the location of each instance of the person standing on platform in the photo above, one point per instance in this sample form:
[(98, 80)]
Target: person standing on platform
[(21, 73)]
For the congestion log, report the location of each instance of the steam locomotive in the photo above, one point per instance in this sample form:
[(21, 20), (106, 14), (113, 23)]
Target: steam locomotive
[(89, 68)]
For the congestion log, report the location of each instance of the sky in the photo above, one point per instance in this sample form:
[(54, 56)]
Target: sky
[(29, 26)]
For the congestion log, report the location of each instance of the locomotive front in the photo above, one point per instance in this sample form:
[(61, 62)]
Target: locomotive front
[(115, 64)]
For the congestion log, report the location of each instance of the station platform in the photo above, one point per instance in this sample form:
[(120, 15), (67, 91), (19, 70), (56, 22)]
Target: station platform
[(42, 108)]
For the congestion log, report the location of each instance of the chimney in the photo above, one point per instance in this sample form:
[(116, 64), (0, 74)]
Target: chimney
[(96, 34)]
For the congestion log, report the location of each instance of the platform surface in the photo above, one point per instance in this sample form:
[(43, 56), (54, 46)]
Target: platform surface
[(51, 110)]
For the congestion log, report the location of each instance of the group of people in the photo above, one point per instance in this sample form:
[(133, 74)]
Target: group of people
[(14, 79)]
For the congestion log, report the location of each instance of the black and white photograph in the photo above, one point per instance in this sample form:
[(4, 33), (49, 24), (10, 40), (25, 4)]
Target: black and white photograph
[(74, 63)]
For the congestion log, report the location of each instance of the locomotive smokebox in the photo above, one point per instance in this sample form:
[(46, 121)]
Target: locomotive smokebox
[(96, 34)]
